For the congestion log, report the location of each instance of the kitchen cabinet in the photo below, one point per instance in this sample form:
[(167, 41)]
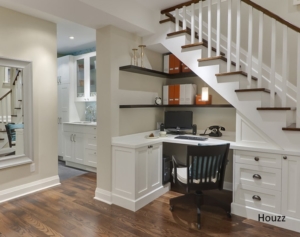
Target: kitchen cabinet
[(85, 74), (80, 146), (67, 110)]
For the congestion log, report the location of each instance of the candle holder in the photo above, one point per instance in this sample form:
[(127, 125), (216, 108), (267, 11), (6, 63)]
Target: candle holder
[(142, 54), (135, 61)]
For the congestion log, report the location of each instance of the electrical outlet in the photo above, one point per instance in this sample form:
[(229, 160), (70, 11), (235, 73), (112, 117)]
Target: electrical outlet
[(32, 167)]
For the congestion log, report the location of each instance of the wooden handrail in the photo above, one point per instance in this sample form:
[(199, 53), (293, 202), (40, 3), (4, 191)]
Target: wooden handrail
[(254, 5), (170, 9), (5, 95), (272, 15), (16, 77)]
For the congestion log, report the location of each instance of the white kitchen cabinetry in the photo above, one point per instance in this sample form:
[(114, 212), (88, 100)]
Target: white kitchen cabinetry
[(80, 146), (291, 187), (85, 86), (67, 109), (137, 176)]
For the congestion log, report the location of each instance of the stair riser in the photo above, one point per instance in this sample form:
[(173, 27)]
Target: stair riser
[(262, 98), (240, 79), (278, 117)]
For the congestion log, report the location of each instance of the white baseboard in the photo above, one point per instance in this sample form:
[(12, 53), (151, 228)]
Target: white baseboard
[(80, 166), (28, 188), (227, 186), (103, 196), (252, 213), (134, 205)]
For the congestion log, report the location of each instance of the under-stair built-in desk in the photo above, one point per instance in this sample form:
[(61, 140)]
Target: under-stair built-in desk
[(265, 181)]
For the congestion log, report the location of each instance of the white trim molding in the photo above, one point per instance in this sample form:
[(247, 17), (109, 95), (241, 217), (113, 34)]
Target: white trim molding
[(228, 186), (103, 196), (25, 189)]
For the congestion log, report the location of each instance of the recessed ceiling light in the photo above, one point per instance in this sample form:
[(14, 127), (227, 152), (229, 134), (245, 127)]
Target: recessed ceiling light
[(71, 37)]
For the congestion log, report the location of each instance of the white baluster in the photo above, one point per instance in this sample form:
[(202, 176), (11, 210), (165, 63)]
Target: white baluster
[(209, 27), (218, 26), (229, 37), (284, 65), (193, 23), (298, 85), (238, 35), (6, 102), (273, 63), (200, 21), (250, 32), (177, 19), (184, 18), (260, 48)]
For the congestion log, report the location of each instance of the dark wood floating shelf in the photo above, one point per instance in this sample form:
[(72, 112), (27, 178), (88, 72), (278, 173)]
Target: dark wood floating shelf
[(176, 106), (150, 72)]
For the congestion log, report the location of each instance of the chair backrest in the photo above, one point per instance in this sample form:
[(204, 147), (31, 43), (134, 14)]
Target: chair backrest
[(206, 166), (10, 130)]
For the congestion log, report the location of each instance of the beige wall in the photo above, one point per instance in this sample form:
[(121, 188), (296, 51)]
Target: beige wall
[(27, 38)]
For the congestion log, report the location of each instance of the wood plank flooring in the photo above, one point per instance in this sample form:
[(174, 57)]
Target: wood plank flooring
[(69, 210)]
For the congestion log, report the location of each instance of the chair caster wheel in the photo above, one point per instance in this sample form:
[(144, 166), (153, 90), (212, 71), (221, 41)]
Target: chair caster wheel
[(171, 207), (198, 226), (228, 214)]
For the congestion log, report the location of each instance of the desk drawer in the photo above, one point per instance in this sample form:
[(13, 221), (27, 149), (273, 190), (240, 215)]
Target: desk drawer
[(256, 176), (260, 198), (258, 158)]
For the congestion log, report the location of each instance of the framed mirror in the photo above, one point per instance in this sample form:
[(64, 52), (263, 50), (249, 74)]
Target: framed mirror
[(16, 113)]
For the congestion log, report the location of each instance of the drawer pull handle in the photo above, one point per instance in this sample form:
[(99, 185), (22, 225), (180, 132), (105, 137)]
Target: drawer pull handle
[(256, 176), (285, 157), (256, 158), (150, 146), (95, 137), (256, 197)]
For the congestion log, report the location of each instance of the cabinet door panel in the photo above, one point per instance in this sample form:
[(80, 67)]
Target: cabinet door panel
[(68, 146), (90, 157), (291, 186), (141, 171), (154, 167), (78, 148)]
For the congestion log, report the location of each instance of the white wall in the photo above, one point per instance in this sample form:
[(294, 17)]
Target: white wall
[(27, 38)]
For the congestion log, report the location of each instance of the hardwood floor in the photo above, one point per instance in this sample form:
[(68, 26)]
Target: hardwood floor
[(70, 210)]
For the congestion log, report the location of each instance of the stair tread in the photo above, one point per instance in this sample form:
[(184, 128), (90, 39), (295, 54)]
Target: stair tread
[(292, 127), (210, 59), (192, 45), (234, 73), (274, 108), (253, 90), (2, 130), (178, 32), (165, 20)]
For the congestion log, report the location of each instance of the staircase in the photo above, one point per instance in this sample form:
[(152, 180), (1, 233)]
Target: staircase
[(11, 109), (231, 57)]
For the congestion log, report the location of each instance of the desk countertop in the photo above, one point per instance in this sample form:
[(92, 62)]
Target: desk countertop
[(139, 140)]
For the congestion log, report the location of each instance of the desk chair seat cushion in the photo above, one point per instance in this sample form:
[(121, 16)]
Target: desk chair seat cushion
[(12, 127), (182, 175)]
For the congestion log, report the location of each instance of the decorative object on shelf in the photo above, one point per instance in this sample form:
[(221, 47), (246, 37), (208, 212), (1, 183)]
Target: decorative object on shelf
[(80, 94), (158, 101), (81, 82), (142, 54), (200, 101), (204, 95), (135, 62), (93, 94)]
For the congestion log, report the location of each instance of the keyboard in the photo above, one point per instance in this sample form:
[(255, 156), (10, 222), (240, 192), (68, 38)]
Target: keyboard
[(192, 138)]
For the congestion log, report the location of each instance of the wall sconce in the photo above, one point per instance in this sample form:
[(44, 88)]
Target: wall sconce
[(204, 94)]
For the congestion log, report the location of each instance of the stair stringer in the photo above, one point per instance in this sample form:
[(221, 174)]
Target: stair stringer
[(269, 123)]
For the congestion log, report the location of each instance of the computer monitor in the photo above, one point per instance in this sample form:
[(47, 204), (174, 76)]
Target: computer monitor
[(178, 120)]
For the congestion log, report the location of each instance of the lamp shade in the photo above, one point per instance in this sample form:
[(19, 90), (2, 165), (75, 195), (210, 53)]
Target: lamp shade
[(204, 95)]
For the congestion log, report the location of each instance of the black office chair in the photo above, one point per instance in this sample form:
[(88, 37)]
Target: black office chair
[(206, 171)]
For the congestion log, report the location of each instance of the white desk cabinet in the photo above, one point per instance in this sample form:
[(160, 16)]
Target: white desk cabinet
[(80, 146), (291, 186), (137, 175)]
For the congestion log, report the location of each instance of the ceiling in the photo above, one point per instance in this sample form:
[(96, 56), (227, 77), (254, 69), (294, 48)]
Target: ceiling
[(80, 18)]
